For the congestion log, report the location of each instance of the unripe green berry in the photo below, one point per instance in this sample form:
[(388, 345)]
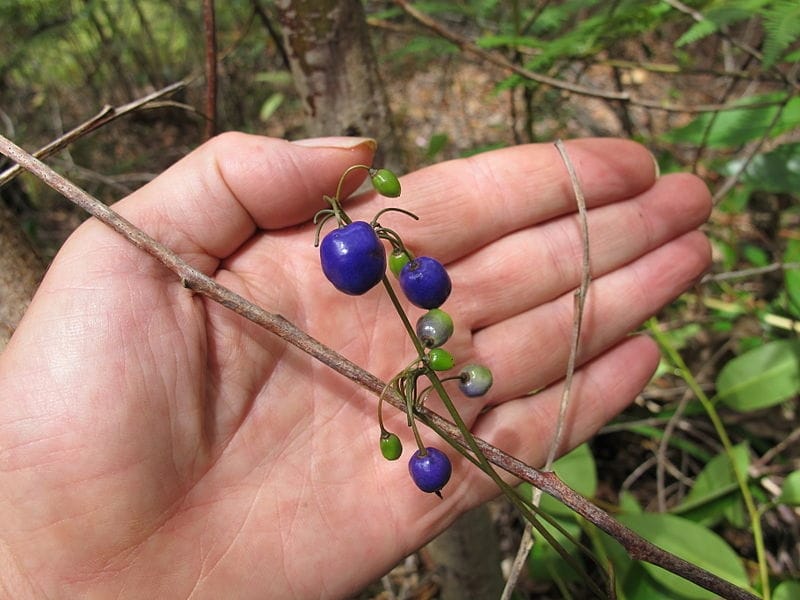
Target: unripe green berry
[(440, 359), (385, 183), (391, 446), (397, 260)]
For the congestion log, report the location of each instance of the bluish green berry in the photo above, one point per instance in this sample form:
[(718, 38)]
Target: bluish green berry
[(475, 380), (434, 328)]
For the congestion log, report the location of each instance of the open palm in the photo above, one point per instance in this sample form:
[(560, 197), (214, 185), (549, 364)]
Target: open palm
[(154, 444)]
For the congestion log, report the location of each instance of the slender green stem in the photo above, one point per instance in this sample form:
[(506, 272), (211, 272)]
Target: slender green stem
[(719, 428), (475, 454), (338, 195)]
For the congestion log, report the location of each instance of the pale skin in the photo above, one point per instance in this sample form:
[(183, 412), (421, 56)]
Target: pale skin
[(154, 444)]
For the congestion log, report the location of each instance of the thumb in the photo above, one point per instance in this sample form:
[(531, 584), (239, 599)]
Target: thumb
[(212, 201)]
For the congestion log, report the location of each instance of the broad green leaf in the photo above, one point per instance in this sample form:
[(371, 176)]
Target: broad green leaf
[(791, 277), (776, 171), (544, 562), (628, 503), (731, 128), (691, 542), (577, 469), (788, 590), (761, 377), (790, 491), (715, 493)]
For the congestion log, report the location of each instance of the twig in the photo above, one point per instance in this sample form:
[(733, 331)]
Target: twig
[(501, 61), (637, 547), (210, 30), (526, 543), (106, 115), (744, 273)]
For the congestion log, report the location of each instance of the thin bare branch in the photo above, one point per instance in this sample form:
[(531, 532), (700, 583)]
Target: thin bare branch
[(105, 116)]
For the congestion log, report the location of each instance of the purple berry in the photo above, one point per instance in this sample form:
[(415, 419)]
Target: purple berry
[(425, 282), (430, 471), (353, 258)]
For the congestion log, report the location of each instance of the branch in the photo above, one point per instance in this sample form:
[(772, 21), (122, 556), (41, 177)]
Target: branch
[(637, 547), (106, 115)]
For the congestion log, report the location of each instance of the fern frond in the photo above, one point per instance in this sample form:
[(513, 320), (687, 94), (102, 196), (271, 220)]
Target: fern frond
[(782, 28)]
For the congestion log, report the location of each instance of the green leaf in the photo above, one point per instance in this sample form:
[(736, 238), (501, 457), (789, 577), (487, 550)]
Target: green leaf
[(697, 32), (791, 277), (436, 144), (782, 28), (577, 469), (692, 542), (762, 377), (731, 128), (788, 590), (270, 105), (544, 562), (715, 493), (790, 491), (777, 171)]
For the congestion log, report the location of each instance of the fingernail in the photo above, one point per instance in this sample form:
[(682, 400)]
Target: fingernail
[(656, 165), (344, 143)]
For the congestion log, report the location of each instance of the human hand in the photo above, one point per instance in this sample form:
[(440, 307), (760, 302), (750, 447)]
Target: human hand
[(154, 444)]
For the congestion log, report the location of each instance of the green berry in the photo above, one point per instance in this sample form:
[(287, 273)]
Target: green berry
[(440, 359), (475, 380), (391, 446), (385, 183), (397, 260), (434, 328)]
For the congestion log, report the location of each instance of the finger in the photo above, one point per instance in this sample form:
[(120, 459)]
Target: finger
[(529, 351), (532, 266), (467, 203), (212, 201), (526, 427)]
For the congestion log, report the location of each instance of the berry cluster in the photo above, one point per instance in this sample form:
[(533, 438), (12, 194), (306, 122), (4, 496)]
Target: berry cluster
[(353, 259)]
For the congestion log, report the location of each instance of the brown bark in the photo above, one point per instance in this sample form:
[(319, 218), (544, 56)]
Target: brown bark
[(20, 272), (336, 73)]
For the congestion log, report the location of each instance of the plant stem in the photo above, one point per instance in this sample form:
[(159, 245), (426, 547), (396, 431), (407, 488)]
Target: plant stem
[(719, 428)]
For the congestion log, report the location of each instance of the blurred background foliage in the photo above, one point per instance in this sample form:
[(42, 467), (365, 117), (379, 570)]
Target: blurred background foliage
[(663, 72)]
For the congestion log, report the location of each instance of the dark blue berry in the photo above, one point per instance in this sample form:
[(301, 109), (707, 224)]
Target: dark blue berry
[(425, 282), (430, 471), (353, 258)]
